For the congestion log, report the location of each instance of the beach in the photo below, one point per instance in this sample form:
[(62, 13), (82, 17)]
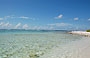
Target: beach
[(43, 44), (84, 33), (44, 28), (76, 49)]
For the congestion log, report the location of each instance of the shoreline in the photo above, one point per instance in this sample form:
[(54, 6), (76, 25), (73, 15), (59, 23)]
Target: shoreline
[(76, 49), (83, 33)]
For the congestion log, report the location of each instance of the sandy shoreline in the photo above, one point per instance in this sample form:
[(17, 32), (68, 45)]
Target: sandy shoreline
[(84, 33), (77, 49)]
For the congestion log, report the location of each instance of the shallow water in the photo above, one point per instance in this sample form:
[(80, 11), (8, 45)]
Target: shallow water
[(31, 44)]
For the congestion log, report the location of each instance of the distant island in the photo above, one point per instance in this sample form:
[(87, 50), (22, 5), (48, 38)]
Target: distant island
[(88, 30)]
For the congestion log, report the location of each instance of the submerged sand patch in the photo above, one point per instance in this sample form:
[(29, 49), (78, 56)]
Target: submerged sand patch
[(77, 49)]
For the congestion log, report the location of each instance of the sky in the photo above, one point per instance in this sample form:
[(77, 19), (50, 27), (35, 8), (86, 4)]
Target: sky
[(45, 14)]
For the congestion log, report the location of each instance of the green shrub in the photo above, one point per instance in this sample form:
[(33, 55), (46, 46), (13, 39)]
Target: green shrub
[(88, 30)]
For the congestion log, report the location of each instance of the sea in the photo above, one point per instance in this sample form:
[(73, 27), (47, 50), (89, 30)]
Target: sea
[(20, 43)]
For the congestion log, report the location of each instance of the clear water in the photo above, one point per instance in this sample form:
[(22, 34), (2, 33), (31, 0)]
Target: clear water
[(31, 43)]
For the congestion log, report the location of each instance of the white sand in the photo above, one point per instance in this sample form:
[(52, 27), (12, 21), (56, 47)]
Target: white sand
[(76, 49), (80, 33)]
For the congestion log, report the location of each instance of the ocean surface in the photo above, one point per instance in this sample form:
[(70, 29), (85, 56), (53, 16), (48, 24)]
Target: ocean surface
[(32, 43)]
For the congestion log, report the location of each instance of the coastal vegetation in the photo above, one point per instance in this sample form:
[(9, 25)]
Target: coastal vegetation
[(88, 30)]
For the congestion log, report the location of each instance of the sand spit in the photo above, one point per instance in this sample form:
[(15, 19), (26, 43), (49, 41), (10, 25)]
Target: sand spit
[(84, 33)]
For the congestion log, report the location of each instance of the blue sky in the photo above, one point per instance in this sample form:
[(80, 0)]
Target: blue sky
[(45, 14)]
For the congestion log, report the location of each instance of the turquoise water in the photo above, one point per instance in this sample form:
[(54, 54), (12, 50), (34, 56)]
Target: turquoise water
[(32, 43)]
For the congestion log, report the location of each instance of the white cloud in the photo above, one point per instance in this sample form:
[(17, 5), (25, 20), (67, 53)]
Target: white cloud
[(18, 25), (25, 26), (76, 18), (7, 24), (60, 24), (7, 17), (23, 17), (12, 17), (59, 17), (89, 19)]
